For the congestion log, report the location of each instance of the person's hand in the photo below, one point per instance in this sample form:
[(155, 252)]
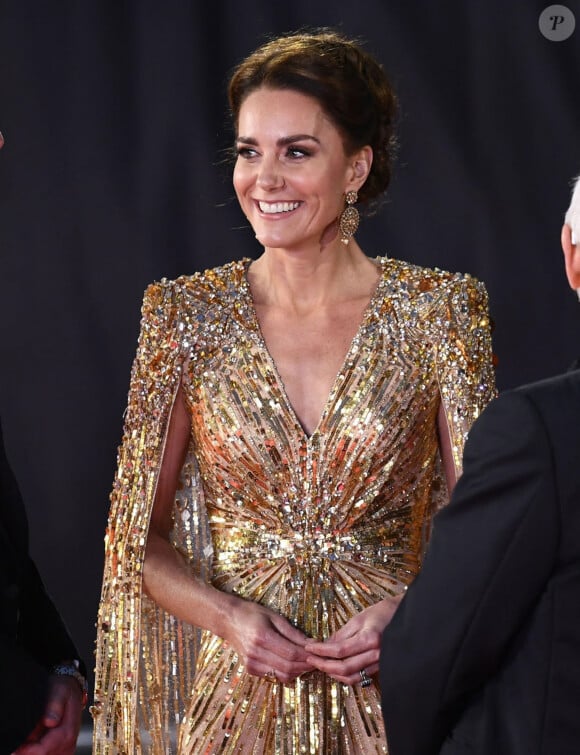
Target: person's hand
[(267, 643), (57, 731), (355, 647)]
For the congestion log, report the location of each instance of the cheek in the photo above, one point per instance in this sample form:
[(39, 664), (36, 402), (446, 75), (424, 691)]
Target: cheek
[(236, 176), (330, 187), (240, 182)]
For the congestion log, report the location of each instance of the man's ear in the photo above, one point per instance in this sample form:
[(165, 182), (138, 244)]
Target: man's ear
[(571, 257)]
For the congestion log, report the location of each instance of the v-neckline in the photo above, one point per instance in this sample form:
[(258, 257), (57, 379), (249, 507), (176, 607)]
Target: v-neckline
[(281, 388)]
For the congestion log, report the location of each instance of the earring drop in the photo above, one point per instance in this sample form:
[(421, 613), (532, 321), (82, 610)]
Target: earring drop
[(349, 218)]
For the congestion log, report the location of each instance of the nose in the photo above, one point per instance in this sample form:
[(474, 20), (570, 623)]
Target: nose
[(269, 174)]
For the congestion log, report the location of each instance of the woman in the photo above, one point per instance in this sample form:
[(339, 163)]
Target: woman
[(293, 423)]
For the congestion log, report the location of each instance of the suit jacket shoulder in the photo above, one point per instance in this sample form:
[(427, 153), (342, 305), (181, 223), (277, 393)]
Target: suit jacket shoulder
[(493, 551)]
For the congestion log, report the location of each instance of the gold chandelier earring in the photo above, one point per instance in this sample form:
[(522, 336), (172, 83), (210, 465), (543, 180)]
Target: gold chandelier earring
[(349, 218)]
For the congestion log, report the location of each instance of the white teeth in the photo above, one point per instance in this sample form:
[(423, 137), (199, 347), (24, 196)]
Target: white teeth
[(273, 207)]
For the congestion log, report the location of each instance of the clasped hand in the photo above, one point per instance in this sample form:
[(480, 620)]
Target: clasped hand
[(355, 646), (267, 642), (270, 645)]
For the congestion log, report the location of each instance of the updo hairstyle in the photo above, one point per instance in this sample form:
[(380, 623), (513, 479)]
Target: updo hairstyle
[(349, 83)]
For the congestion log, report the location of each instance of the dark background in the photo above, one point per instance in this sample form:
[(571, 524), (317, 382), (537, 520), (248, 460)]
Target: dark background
[(115, 174)]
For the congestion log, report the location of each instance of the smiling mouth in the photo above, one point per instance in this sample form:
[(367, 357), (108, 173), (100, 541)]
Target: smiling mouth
[(271, 208)]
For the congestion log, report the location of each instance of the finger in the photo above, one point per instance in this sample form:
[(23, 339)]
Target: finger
[(285, 641), (30, 749), (355, 679), (274, 675), (346, 632), (56, 703), (319, 649), (349, 672), (328, 649), (268, 664), (289, 631), (58, 741), (346, 646), (347, 668), (338, 645)]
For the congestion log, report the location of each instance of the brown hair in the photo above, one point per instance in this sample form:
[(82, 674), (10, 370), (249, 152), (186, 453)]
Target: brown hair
[(349, 83)]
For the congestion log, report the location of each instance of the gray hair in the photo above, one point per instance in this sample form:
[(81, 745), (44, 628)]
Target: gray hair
[(572, 217)]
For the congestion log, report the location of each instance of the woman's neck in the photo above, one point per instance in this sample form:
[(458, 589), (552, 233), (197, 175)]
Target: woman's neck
[(303, 281)]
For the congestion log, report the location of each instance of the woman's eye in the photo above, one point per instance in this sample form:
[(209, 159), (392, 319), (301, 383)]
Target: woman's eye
[(296, 152), (245, 152)]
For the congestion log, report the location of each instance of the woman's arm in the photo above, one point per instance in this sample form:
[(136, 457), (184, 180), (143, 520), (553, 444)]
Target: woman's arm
[(449, 468), (265, 641), (167, 578)]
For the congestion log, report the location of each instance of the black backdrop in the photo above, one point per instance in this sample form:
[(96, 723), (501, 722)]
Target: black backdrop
[(114, 174)]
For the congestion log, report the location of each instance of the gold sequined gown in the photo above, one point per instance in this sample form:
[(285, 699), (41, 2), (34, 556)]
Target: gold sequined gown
[(317, 528)]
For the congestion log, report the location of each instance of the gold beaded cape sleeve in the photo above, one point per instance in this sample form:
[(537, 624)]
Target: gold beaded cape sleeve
[(440, 324), (465, 372), (137, 688)]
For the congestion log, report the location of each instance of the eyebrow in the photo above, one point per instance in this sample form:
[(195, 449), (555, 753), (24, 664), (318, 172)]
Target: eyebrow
[(282, 142)]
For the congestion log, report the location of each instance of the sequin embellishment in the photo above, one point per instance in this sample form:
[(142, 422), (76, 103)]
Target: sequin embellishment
[(316, 527)]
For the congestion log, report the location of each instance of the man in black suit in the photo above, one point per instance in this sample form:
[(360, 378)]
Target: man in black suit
[(42, 683), (483, 654)]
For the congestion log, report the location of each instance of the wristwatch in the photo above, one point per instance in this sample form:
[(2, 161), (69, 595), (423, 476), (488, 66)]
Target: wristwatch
[(71, 668)]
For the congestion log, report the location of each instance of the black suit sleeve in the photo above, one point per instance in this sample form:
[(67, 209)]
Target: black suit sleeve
[(491, 551), (32, 634)]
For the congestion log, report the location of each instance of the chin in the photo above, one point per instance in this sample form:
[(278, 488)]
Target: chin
[(271, 241)]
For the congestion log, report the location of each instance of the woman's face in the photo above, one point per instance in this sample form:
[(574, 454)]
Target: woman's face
[(291, 172)]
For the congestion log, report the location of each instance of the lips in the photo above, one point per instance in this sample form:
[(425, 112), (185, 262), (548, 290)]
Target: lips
[(272, 208)]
